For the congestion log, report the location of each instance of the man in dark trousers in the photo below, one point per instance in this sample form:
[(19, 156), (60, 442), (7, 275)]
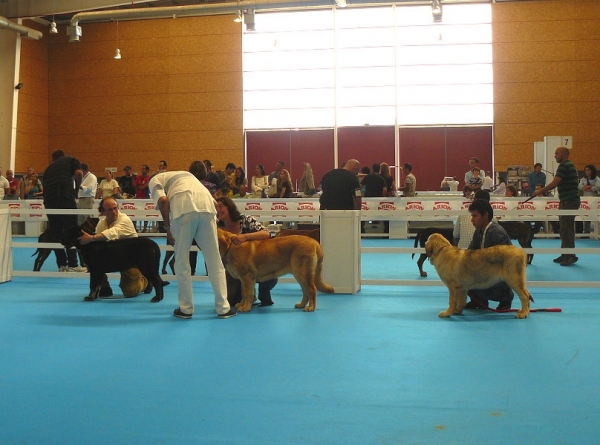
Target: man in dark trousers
[(566, 182), (340, 187), (61, 182), (488, 233)]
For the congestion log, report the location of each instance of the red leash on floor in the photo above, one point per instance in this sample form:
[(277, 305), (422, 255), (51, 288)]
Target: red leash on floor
[(541, 309)]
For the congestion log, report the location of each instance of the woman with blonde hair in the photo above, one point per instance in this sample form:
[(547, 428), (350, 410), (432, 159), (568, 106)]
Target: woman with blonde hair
[(389, 180), (284, 185), (108, 187)]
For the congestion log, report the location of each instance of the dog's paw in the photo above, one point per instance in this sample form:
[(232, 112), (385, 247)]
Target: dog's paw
[(155, 299), (243, 307), (299, 305), (522, 314), (309, 309), (423, 274), (90, 298), (445, 314)]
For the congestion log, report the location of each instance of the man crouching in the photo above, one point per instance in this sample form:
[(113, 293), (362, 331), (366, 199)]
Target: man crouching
[(114, 226)]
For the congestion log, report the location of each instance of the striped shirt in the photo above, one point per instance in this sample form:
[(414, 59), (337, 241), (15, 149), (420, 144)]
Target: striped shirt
[(569, 181)]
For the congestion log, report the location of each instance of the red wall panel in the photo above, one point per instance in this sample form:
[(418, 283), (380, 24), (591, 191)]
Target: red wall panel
[(368, 145), (463, 143), (424, 149), (267, 147), (314, 147)]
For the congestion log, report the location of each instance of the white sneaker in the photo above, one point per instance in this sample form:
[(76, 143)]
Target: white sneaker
[(62, 269), (77, 269)]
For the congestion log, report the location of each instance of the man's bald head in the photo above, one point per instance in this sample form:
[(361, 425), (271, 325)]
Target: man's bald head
[(352, 165), (561, 154)]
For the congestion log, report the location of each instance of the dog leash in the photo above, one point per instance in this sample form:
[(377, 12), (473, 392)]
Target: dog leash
[(541, 309)]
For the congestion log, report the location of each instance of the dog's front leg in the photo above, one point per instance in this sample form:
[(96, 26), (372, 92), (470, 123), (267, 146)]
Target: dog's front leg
[(95, 285), (248, 284), (456, 301), (420, 263)]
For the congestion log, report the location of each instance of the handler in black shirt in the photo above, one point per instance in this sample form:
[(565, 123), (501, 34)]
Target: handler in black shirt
[(61, 182), (339, 188)]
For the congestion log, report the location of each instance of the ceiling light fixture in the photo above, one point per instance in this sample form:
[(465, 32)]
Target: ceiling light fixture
[(340, 3), (436, 10), (53, 29), (118, 51), (238, 17), (249, 20)]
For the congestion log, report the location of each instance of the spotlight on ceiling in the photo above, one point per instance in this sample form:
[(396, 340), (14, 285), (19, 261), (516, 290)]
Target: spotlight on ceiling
[(340, 3), (238, 17), (53, 29), (118, 54), (436, 10)]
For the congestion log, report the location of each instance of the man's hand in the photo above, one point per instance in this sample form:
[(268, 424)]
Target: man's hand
[(85, 238)]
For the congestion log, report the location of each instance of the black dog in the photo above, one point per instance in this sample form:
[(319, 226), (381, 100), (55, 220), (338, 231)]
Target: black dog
[(519, 230), (46, 237), (522, 232), (421, 239), (117, 256)]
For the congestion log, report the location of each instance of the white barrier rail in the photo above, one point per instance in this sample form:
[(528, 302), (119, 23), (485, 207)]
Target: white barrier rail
[(399, 211)]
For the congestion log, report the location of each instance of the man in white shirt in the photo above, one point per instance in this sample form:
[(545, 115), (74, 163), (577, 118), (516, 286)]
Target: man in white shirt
[(115, 226), (188, 211), (87, 192), (487, 183), (4, 185)]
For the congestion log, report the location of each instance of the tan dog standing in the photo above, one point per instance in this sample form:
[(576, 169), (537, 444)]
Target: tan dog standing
[(461, 270), (261, 260)]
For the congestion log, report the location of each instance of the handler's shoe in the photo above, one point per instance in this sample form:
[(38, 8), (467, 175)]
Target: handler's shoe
[(232, 313), (569, 260), (77, 269), (559, 259), (177, 312)]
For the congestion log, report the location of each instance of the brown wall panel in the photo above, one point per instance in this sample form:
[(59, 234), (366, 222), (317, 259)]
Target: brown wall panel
[(546, 84), (32, 123), (176, 94)]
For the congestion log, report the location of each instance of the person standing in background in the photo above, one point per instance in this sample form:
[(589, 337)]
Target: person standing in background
[(62, 179), (126, 183), (24, 181), (87, 192), (566, 181), (141, 183), (340, 188), (13, 186), (410, 182), (473, 162), (535, 178), (4, 186)]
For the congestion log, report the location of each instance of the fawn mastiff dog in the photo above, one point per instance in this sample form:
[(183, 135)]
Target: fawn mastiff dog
[(517, 230), (461, 270), (261, 260), (118, 256)]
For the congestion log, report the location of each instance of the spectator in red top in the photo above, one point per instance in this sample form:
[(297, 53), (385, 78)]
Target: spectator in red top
[(141, 183)]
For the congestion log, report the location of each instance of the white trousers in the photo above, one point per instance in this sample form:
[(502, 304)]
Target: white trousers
[(203, 228)]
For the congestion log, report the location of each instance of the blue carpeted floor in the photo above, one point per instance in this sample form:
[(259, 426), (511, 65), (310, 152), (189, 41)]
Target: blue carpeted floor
[(378, 367)]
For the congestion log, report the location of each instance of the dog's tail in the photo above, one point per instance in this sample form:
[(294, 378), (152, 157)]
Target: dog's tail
[(322, 285), (417, 239)]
